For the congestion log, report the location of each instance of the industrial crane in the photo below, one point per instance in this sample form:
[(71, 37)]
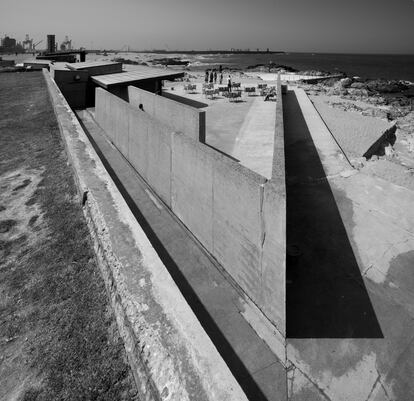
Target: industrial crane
[(35, 44)]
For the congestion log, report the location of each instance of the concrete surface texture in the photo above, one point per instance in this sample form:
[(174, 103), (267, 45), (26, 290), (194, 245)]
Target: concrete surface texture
[(389, 170), (151, 312), (186, 119), (253, 355), (220, 201), (243, 129), (350, 257), (354, 132)]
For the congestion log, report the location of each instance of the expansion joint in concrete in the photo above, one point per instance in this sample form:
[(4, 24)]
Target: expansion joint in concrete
[(319, 389), (262, 232)]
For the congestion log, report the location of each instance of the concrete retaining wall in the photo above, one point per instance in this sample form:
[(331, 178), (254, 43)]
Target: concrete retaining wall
[(238, 215), (145, 142), (170, 354), (180, 117)]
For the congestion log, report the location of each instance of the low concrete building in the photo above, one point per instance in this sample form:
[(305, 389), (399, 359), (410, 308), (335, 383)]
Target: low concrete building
[(147, 78), (96, 67)]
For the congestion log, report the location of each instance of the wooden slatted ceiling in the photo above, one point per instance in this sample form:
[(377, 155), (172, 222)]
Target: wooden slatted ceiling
[(136, 75)]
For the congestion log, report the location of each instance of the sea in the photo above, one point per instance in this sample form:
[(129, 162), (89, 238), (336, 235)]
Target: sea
[(390, 67)]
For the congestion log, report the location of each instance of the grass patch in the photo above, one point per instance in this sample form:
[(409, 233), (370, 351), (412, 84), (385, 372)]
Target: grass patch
[(53, 297)]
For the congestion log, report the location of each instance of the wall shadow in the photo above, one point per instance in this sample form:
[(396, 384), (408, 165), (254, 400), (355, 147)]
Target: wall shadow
[(185, 100), (325, 294)]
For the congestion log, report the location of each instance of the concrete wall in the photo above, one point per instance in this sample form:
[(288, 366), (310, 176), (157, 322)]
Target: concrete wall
[(183, 118), (73, 85), (236, 214), (170, 354), (146, 143)]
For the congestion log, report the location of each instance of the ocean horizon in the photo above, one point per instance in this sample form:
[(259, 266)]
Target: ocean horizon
[(384, 66)]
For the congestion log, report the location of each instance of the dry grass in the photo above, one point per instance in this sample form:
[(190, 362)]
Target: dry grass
[(58, 337)]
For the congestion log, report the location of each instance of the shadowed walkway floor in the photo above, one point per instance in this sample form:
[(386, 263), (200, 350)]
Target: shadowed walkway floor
[(326, 296)]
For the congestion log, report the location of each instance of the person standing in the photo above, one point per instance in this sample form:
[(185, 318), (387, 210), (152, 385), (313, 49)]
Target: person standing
[(221, 78), (206, 77), (229, 83), (211, 76), (215, 76)]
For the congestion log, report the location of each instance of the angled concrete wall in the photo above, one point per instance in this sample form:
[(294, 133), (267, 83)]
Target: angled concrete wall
[(274, 218), (180, 117), (238, 215)]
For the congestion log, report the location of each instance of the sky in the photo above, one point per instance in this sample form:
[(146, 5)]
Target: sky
[(337, 26)]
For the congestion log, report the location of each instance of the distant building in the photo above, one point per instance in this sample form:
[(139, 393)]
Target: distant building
[(51, 44), (66, 45), (28, 43), (8, 43)]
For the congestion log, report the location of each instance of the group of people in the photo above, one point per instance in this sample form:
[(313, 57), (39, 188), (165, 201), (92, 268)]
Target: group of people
[(211, 77)]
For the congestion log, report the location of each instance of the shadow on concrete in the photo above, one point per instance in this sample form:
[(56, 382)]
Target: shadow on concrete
[(223, 153), (325, 293), (233, 361), (184, 100)]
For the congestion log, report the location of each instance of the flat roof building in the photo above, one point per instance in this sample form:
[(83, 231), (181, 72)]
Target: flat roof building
[(147, 78)]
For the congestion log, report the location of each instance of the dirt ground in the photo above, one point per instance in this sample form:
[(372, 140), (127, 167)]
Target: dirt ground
[(58, 335)]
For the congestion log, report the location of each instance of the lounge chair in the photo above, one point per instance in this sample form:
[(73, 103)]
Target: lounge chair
[(190, 88), (235, 96), (250, 90), (210, 93)]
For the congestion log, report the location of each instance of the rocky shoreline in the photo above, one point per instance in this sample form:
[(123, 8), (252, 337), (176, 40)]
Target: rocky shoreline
[(391, 101)]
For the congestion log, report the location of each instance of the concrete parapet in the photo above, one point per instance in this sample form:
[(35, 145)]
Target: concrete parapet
[(192, 187), (278, 164), (170, 354), (180, 117), (273, 262), (235, 213), (237, 220), (145, 142)]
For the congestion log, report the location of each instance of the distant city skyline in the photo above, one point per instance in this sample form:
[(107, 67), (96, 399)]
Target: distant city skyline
[(331, 26)]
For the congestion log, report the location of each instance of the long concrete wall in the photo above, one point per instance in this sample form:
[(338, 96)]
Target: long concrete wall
[(186, 119), (170, 355), (238, 215)]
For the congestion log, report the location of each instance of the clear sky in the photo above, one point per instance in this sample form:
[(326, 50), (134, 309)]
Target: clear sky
[(360, 26)]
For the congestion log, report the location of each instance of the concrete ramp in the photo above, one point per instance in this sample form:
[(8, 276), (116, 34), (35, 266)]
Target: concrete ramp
[(356, 256), (356, 134)]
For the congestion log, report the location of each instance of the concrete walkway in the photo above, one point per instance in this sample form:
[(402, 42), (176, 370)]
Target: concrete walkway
[(254, 142), (244, 130), (350, 302), (216, 303)]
